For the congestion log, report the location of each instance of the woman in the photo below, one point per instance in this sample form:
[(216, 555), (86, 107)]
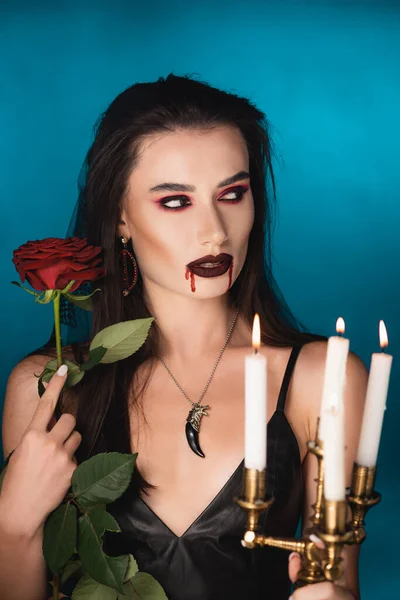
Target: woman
[(180, 176)]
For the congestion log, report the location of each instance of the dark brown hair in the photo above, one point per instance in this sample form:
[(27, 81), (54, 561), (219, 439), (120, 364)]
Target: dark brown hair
[(167, 105)]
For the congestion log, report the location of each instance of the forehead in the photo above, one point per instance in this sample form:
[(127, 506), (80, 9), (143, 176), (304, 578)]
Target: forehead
[(184, 156)]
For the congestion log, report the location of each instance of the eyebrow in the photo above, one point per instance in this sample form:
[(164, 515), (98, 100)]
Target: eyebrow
[(182, 187)]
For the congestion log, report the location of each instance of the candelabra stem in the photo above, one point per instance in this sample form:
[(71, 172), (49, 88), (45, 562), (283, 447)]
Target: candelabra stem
[(316, 448)]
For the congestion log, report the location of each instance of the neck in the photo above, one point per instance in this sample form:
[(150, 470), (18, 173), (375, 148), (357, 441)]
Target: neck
[(193, 328)]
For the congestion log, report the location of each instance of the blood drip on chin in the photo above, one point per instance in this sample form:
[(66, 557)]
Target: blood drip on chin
[(230, 275), (192, 280)]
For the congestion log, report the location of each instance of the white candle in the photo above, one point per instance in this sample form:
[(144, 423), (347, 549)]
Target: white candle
[(334, 480), (255, 405), (335, 374), (375, 403)]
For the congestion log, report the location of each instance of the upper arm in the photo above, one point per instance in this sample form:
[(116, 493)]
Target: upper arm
[(354, 398), (21, 400)]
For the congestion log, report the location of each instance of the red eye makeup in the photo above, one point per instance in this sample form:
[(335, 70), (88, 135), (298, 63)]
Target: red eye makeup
[(238, 190), (178, 203)]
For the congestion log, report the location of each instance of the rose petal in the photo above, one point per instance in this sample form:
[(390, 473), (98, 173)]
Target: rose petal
[(80, 278), (36, 282), (32, 265), (51, 263)]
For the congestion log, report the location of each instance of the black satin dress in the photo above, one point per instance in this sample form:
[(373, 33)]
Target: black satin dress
[(208, 562)]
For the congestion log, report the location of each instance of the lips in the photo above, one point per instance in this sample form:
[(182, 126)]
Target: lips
[(211, 266)]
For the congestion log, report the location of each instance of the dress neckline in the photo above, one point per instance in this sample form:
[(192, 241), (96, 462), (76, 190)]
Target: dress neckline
[(279, 409), (212, 501)]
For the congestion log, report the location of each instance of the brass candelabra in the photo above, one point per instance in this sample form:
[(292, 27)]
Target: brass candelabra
[(328, 521)]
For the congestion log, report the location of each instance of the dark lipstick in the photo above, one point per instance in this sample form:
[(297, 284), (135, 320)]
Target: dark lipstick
[(211, 266)]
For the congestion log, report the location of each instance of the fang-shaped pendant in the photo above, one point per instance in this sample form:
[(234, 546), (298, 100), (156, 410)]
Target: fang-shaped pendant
[(193, 427)]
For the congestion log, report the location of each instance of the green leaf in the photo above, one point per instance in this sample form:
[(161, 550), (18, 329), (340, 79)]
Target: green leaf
[(26, 289), (88, 588), (102, 478), (73, 569), (105, 569), (102, 521), (47, 374), (95, 357), (83, 302), (143, 587), (122, 339), (60, 536), (74, 373), (41, 388), (52, 365), (74, 378), (67, 287), (132, 568)]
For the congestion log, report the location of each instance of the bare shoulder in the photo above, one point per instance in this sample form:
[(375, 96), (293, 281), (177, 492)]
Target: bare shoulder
[(21, 400), (313, 358), (310, 378), (23, 374)]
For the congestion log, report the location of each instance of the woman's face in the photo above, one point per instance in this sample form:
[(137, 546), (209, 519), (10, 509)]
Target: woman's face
[(189, 198)]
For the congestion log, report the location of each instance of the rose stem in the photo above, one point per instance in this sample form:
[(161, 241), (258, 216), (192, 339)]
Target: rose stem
[(56, 306), (56, 580)]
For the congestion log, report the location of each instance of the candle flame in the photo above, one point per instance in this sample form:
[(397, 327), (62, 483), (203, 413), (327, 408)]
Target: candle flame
[(256, 332), (383, 336), (340, 326)]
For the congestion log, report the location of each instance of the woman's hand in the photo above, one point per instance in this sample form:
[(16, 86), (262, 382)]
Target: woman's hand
[(40, 469), (317, 591)]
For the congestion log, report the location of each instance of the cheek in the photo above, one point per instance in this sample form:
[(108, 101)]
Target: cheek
[(156, 242), (243, 224)]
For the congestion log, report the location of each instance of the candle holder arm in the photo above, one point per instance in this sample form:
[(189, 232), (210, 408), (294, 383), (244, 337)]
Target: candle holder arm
[(329, 521)]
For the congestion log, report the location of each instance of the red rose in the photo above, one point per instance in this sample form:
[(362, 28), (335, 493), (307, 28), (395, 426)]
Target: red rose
[(50, 264)]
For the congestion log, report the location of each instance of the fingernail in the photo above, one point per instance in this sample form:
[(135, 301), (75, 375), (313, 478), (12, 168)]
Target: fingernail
[(62, 370), (292, 555), (291, 598), (314, 538)]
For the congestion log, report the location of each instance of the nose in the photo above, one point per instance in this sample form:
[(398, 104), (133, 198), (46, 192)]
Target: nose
[(211, 228)]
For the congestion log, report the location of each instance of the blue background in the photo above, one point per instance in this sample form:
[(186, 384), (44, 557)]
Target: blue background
[(327, 75)]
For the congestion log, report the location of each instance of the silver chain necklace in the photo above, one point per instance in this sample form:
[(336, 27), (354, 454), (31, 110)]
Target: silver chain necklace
[(198, 410)]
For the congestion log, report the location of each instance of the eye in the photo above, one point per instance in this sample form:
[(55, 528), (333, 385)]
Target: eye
[(174, 202), (234, 194)]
